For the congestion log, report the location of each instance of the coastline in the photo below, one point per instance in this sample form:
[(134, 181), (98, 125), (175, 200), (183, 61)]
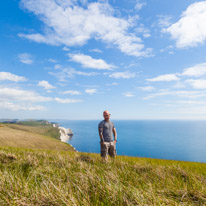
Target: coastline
[(65, 134)]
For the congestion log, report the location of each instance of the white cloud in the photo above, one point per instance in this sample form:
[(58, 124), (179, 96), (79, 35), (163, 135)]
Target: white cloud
[(18, 99), (58, 66), (11, 77), (25, 58), (128, 94), (123, 75), (89, 62), (157, 94), (45, 85), (66, 101), (190, 102), (96, 50), (70, 73), (190, 30), (189, 94), (143, 30), (72, 92), (65, 49), (196, 71), (164, 78), (168, 48), (112, 84), (139, 5), (71, 24), (52, 60), (164, 20), (179, 85), (88, 74), (148, 88), (197, 83), (91, 91), (8, 94), (19, 107), (182, 94)]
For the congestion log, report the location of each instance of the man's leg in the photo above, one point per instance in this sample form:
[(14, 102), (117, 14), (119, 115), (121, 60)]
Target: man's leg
[(112, 150), (104, 150)]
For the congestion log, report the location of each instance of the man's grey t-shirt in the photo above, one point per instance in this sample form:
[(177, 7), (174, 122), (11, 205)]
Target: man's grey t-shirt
[(107, 130)]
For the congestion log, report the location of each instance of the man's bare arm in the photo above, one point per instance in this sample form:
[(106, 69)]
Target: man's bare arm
[(101, 134), (115, 134)]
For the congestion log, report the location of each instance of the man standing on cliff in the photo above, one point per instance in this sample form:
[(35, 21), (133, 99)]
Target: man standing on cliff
[(106, 133)]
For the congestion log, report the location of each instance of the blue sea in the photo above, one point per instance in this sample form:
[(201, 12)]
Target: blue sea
[(168, 139)]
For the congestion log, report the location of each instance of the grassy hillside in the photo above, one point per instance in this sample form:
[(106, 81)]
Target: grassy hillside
[(32, 177), (51, 173), (35, 136)]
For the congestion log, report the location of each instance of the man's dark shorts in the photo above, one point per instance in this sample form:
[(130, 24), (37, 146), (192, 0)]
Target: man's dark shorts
[(108, 148)]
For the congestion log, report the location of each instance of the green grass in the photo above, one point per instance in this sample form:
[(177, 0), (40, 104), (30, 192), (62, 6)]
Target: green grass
[(45, 177)]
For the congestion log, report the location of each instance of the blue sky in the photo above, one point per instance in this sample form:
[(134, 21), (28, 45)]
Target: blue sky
[(69, 59)]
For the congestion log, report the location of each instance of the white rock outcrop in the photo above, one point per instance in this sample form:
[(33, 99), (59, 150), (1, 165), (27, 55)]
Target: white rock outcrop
[(65, 134)]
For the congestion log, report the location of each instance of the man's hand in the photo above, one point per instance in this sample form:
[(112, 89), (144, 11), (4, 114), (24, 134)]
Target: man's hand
[(102, 143), (115, 141)]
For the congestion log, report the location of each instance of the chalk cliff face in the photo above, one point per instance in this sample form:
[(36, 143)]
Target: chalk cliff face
[(65, 134)]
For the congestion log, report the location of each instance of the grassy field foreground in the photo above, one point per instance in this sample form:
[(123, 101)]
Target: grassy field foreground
[(36, 169), (46, 177)]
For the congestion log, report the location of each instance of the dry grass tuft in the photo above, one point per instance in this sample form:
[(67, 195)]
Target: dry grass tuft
[(85, 158), (5, 158)]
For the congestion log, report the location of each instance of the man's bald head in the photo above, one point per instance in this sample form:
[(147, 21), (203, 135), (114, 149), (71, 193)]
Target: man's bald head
[(106, 112), (106, 115)]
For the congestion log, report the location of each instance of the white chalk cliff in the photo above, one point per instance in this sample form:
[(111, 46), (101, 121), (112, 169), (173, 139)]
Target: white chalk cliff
[(65, 134)]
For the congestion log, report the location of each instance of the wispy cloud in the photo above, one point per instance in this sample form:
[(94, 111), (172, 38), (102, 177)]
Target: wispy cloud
[(45, 85), (66, 73), (164, 78), (72, 24), (89, 62), (11, 77), (148, 88), (96, 50), (168, 48), (197, 83), (179, 85), (25, 58), (20, 107), (52, 60), (182, 93), (72, 92), (123, 75), (19, 99), (164, 20), (196, 71), (145, 31), (112, 84), (90, 91), (157, 94), (65, 48), (190, 102), (190, 30), (67, 101), (128, 94), (139, 5), (8, 94)]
